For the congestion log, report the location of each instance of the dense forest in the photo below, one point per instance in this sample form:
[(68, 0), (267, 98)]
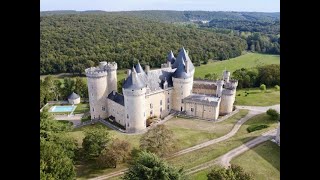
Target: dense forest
[(73, 42), (180, 16)]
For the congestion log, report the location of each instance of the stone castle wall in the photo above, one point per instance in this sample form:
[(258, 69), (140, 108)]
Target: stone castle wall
[(135, 112), (116, 110), (182, 89), (97, 87), (202, 111), (159, 103)]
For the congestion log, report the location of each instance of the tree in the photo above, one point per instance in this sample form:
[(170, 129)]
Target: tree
[(117, 152), (269, 75), (158, 140), (274, 115), (81, 87), (263, 87), (149, 166), (120, 85), (54, 163), (95, 141), (234, 172)]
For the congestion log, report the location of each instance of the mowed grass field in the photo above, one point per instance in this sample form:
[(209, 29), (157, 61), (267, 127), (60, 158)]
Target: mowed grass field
[(255, 97), (266, 158), (213, 151), (247, 60), (187, 133)]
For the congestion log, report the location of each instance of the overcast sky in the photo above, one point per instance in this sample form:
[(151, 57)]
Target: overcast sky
[(128, 5)]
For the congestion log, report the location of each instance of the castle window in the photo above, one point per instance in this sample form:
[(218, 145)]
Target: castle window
[(160, 102), (103, 108), (151, 113), (181, 100), (128, 125), (160, 110), (127, 116), (168, 100), (168, 107), (191, 109), (151, 105), (93, 109)]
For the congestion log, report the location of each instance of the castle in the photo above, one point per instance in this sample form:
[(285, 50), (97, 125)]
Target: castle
[(159, 92)]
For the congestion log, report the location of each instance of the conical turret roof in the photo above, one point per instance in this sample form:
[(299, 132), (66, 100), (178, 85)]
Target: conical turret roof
[(139, 68), (180, 72), (133, 81), (182, 58)]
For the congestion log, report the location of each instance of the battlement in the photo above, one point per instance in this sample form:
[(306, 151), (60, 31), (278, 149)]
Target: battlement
[(219, 82), (112, 66), (228, 92), (232, 84), (95, 72)]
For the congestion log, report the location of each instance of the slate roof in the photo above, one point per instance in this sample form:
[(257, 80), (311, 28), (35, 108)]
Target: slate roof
[(134, 81), (139, 68), (181, 72), (181, 58), (154, 79), (118, 98), (171, 57), (73, 96)]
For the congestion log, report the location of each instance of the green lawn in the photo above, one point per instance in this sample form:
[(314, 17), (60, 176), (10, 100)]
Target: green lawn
[(266, 158), (81, 108), (187, 132), (247, 60), (211, 152), (257, 98), (190, 132)]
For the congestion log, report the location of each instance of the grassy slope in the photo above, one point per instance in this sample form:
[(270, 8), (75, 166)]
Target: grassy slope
[(211, 152), (257, 98), (248, 60), (189, 132), (266, 158)]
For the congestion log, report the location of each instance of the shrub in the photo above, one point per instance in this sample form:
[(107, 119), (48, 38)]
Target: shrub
[(239, 94), (274, 115), (256, 127), (277, 87), (263, 87)]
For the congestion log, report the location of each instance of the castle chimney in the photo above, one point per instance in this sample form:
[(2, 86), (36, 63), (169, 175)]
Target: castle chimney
[(147, 68), (128, 72)]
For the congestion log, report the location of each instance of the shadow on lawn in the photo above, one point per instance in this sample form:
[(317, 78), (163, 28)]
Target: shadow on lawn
[(270, 151)]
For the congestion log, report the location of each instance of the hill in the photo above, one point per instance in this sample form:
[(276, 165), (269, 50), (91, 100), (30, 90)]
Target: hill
[(72, 42), (248, 60), (182, 16)]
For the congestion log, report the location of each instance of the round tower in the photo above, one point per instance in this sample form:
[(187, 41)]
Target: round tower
[(226, 76), (182, 86), (112, 77), (219, 88), (134, 91), (97, 89), (227, 100)]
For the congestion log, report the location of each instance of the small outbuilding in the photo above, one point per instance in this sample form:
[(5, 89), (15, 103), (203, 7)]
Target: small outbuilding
[(74, 98)]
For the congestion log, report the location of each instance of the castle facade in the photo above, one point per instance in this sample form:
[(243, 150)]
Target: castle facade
[(159, 92)]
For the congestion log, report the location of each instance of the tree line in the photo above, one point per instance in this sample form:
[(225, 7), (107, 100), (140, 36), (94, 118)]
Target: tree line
[(71, 43), (268, 75)]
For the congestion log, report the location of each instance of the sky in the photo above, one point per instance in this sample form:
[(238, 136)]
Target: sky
[(179, 5)]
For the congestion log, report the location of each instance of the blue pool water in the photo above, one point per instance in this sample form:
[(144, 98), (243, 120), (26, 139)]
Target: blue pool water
[(62, 108)]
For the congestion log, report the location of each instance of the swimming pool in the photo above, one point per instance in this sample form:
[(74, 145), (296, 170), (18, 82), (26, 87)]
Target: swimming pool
[(62, 108)]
